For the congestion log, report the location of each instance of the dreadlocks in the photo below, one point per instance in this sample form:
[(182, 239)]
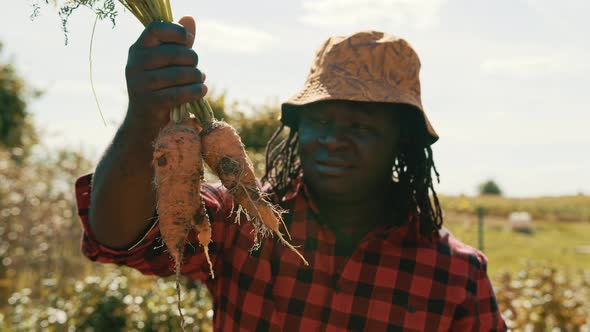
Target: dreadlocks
[(412, 170)]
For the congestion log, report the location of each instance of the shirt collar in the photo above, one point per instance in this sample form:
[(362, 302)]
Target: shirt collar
[(298, 188), (406, 233)]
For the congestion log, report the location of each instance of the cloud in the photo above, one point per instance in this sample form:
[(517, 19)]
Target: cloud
[(218, 35), (570, 13), (521, 65), (513, 129), (393, 13), (536, 65)]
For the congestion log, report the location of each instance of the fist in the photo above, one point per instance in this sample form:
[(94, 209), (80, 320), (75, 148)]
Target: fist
[(161, 71)]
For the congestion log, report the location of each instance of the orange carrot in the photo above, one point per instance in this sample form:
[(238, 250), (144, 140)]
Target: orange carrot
[(177, 178), (178, 170), (224, 153)]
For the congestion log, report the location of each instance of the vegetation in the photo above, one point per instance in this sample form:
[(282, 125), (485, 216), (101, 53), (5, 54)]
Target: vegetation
[(557, 244), (563, 208), (44, 279), (543, 298), (118, 299), (254, 123), (16, 129), (490, 187)]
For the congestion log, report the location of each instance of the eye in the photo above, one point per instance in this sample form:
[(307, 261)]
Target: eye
[(361, 127), (319, 120)]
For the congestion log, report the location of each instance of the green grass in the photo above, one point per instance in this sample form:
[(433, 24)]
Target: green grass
[(550, 242), (559, 208)]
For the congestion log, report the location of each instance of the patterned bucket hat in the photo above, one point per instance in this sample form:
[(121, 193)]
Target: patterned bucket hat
[(368, 66)]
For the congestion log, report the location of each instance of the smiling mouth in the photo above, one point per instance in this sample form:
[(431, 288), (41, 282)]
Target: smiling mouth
[(332, 168)]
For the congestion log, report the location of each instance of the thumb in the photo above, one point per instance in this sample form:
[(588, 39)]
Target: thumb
[(188, 22)]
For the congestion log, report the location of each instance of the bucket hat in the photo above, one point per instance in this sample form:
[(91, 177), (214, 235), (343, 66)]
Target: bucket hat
[(368, 66)]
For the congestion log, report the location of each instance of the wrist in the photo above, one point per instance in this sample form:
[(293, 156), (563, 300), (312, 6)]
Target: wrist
[(144, 123)]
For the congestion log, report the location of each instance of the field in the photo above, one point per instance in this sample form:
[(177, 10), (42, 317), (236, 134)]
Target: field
[(560, 244), (46, 284), (560, 208)]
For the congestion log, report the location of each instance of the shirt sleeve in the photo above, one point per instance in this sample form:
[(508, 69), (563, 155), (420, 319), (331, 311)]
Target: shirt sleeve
[(148, 255), (480, 310)]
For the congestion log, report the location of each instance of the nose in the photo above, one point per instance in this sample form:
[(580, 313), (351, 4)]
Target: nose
[(333, 138)]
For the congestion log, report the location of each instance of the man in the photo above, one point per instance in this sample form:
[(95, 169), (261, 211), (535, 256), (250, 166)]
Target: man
[(353, 170)]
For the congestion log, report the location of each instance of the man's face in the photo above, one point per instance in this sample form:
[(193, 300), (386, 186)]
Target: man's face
[(347, 149)]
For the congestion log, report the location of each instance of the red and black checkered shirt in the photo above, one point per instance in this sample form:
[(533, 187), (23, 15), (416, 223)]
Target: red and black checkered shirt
[(395, 280)]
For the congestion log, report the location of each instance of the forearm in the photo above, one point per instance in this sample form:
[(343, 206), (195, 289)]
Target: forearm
[(123, 197), (161, 74)]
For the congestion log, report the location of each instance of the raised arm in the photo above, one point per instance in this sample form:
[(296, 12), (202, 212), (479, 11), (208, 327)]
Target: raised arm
[(161, 74)]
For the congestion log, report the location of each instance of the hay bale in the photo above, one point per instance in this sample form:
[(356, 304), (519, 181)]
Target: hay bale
[(521, 221)]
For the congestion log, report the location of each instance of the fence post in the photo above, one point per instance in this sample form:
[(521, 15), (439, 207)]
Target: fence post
[(480, 213)]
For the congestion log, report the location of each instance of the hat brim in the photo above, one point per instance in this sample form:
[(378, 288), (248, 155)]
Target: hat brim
[(291, 108)]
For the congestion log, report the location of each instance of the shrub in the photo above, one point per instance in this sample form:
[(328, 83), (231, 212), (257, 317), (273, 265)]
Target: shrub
[(120, 300), (489, 187), (541, 298)]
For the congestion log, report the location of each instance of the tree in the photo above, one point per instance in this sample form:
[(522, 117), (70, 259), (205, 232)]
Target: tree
[(219, 106), (16, 127), (490, 187), (255, 127)]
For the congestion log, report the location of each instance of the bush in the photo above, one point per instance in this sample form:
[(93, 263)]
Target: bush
[(47, 284), (109, 303), (254, 123), (541, 298), (489, 187), (40, 230), (16, 127)]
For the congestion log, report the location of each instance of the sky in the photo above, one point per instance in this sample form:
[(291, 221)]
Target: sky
[(504, 82)]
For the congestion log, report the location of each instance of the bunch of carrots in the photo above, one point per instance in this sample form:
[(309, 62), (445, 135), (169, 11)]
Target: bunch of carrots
[(180, 149), (192, 136)]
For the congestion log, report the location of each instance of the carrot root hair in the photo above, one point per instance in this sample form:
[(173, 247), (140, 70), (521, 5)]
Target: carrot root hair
[(203, 227), (225, 154)]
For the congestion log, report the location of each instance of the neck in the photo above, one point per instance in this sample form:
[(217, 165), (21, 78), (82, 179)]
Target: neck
[(356, 217)]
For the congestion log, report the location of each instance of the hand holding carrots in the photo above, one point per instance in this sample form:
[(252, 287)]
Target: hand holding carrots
[(166, 91), (166, 107), (161, 71)]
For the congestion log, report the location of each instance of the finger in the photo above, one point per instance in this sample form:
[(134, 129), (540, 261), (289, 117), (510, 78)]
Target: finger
[(188, 22), (172, 97), (173, 76), (168, 55), (158, 33)]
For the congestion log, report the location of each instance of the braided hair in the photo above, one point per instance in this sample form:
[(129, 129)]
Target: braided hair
[(411, 171)]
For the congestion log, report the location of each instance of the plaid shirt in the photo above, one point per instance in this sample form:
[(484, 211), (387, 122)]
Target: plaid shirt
[(395, 280)]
